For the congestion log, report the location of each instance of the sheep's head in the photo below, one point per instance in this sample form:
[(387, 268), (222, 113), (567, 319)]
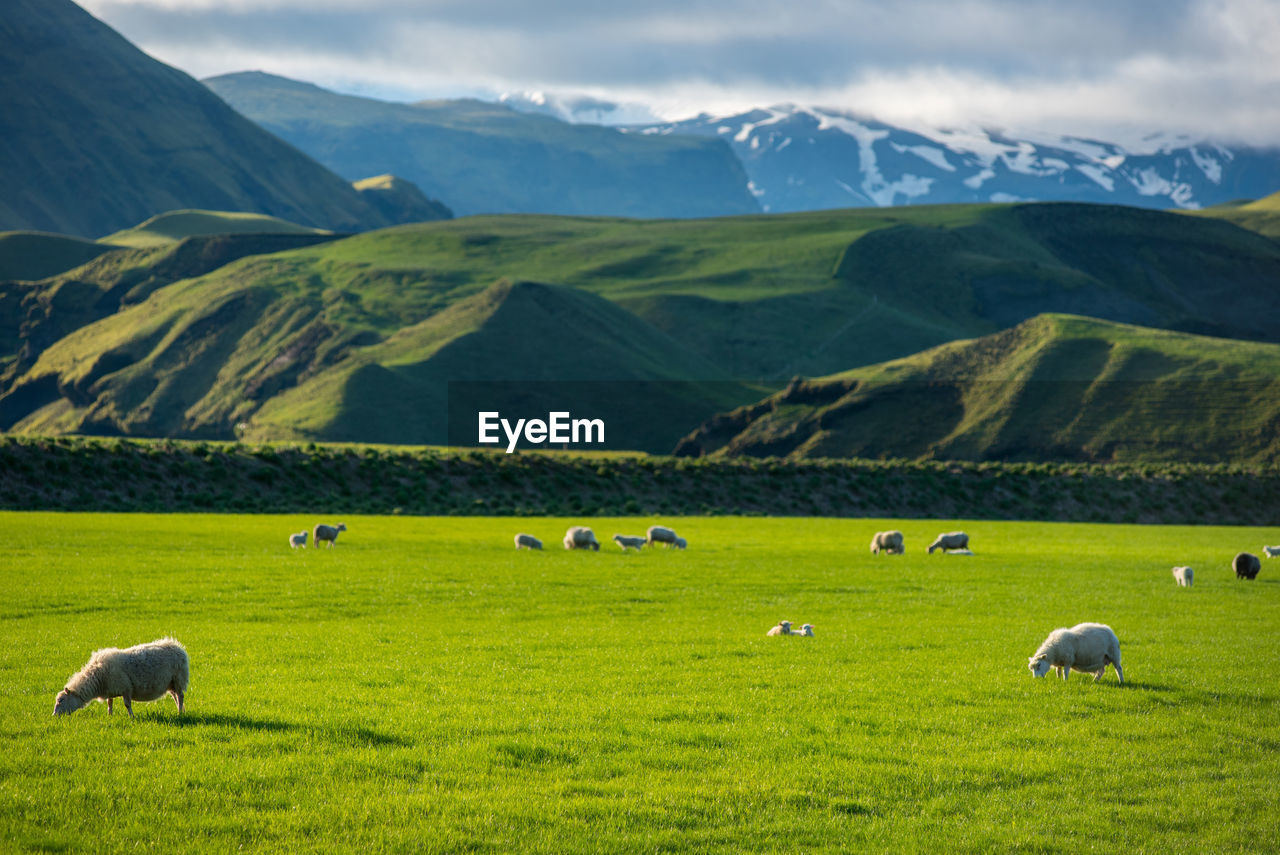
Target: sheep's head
[(1039, 665), (66, 703), (807, 629), (785, 624)]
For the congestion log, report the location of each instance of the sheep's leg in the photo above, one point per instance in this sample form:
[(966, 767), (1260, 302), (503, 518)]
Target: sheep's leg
[(177, 698), (109, 700), (127, 704)]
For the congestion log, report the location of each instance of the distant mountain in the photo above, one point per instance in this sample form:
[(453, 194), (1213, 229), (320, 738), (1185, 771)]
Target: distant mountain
[(96, 136), (480, 157), (805, 158), (1056, 387)]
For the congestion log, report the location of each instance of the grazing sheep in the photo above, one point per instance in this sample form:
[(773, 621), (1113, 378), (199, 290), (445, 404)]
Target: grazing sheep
[(1246, 565), (680, 543), (783, 628), (142, 673), (299, 539), (628, 542), (807, 629), (889, 542), (661, 534), (951, 540), (1086, 647), (580, 537), (1271, 551), (527, 541), (326, 533), (1184, 576)]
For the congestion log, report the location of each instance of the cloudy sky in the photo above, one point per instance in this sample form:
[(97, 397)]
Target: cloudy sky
[(1107, 68)]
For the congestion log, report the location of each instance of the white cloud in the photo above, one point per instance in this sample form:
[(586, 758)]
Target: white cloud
[(1092, 67)]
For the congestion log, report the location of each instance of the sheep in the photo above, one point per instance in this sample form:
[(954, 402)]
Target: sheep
[(1271, 551), (660, 534), (527, 541), (1184, 576), (1086, 647), (807, 629), (783, 628), (890, 542), (580, 537), (629, 542), (299, 539), (1246, 565), (326, 533), (145, 672), (951, 540), (680, 543)]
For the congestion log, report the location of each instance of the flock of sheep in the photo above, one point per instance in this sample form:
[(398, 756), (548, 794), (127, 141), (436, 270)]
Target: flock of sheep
[(148, 672), (581, 537)]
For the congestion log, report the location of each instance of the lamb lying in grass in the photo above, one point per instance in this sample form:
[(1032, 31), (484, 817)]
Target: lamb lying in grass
[(1085, 647), (807, 629), (783, 628), (143, 673)]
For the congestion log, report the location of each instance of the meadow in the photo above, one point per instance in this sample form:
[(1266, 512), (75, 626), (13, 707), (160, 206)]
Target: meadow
[(424, 687)]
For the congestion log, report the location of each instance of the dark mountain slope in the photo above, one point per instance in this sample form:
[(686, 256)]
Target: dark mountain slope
[(96, 136), (487, 158)]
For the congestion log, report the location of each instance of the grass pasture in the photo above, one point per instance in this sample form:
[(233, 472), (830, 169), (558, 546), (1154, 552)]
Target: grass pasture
[(424, 687)]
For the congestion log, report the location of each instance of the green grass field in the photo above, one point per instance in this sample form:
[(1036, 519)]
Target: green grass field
[(424, 687)]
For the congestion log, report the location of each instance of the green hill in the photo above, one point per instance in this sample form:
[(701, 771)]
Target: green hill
[(173, 226), (1056, 387), (38, 255), (209, 357), (347, 338), (96, 136), (488, 158), (1261, 216)]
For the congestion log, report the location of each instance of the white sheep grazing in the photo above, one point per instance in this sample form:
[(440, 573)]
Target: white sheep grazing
[(1271, 551), (143, 673), (1184, 576), (807, 629), (951, 540), (581, 537), (1086, 647), (527, 541), (629, 542), (299, 539), (680, 543), (783, 628), (326, 533), (888, 542), (660, 534)]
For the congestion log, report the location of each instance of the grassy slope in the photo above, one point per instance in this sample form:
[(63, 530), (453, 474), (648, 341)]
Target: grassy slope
[(173, 226), (424, 687), (754, 297), (481, 157), (1261, 215), (1055, 387), (39, 255), (96, 136)]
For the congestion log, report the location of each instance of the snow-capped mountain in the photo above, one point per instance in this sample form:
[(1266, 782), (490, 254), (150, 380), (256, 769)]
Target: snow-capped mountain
[(804, 158)]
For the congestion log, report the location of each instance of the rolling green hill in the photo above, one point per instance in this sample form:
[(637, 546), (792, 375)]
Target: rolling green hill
[(173, 226), (481, 157), (357, 338), (39, 255), (1261, 215), (1056, 387), (96, 136)]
